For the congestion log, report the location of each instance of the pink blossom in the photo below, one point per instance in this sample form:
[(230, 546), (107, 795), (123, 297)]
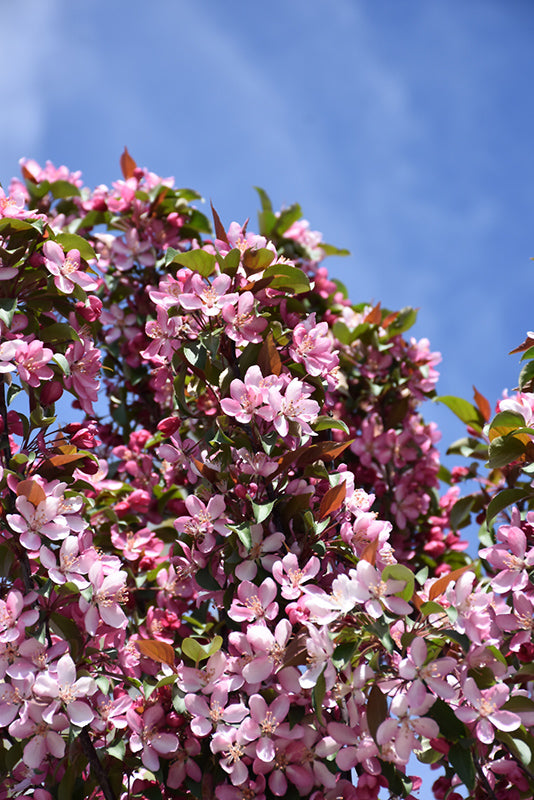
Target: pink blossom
[(217, 713), (232, 743), (293, 406), (148, 738), (13, 618), (398, 738), (248, 397), (62, 686), (84, 363), (254, 602), (414, 667), (72, 564), (376, 594), (242, 324), (320, 648), (263, 723), (32, 521), (66, 270), (210, 298), (44, 737), (312, 346), (184, 765), (203, 521), (263, 649), (128, 250), (485, 710), (289, 575), (360, 747), (108, 594), (511, 557), (165, 333), (31, 360)]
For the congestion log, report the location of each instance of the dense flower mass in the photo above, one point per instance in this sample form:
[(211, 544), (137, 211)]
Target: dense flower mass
[(229, 572)]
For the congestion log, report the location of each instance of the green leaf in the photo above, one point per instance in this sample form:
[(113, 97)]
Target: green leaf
[(61, 189), (431, 607), (9, 225), (206, 581), (193, 650), (318, 693), (518, 704), (503, 450), (462, 761), (62, 363), (244, 534), (460, 512), (399, 785), (526, 375), (8, 306), (265, 200), (261, 512), (197, 260), (520, 743), (71, 241), (404, 321), (465, 411), (286, 218), (59, 332), (230, 262), (460, 638), (343, 653), (505, 422), (504, 499), (330, 250), (284, 276), (330, 423), (258, 259), (117, 750), (398, 572)]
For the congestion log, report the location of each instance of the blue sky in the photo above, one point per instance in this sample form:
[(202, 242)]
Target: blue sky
[(404, 129)]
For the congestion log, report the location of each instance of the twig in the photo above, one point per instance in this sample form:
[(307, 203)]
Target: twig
[(96, 766)]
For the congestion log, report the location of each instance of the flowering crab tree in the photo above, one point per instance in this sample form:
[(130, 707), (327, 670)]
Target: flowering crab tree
[(235, 571)]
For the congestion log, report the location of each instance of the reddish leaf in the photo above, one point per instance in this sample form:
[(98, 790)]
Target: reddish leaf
[(31, 491), (417, 601), (65, 458), (210, 474), (296, 653), (482, 404), (128, 165), (219, 227), (310, 453), (526, 345), (437, 588), (322, 451), (386, 322), (374, 317), (269, 360), (377, 709), (332, 499), (369, 553), (156, 650)]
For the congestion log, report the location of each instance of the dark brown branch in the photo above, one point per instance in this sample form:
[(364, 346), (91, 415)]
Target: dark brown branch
[(97, 769)]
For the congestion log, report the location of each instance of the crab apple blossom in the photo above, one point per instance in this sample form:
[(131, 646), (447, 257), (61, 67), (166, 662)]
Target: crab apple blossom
[(148, 738), (485, 710), (240, 575), (66, 269), (61, 685)]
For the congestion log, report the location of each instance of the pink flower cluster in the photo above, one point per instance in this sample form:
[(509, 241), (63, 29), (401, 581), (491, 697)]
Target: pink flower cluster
[(235, 577)]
